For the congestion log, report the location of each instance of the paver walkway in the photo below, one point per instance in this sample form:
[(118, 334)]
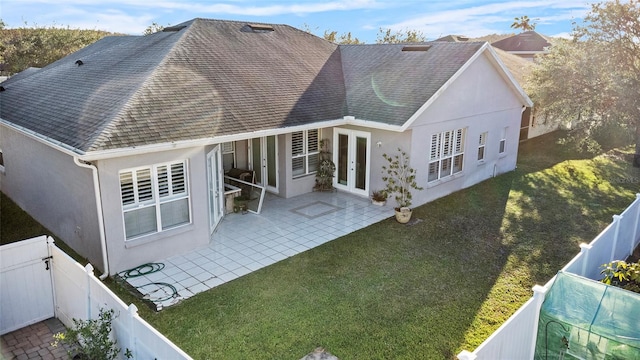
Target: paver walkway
[(33, 342)]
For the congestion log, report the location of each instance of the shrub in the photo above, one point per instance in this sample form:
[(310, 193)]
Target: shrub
[(621, 274)]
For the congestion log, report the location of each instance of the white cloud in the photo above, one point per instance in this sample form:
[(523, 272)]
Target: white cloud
[(489, 18)]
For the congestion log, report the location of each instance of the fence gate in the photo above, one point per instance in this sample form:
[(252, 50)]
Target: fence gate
[(26, 291)]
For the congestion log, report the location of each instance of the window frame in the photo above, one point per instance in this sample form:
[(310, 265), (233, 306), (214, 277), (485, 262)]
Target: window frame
[(482, 146), (306, 154), (164, 188), (446, 158), (502, 145)]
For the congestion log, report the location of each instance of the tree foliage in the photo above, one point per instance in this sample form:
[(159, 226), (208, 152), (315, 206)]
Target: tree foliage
[(25, 47), (594, 79), (345, 38), (524, 23), (153, 28), (386, 36)]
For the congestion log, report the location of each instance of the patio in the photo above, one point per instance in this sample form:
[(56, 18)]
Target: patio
[(243, 243)]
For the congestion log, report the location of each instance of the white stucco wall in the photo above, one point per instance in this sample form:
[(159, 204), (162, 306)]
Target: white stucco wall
[(154, 247), (479, 100), (48, 185)]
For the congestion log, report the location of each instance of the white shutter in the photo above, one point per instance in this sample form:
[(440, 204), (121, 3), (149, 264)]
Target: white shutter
[(297, 143), (126, 188), (145, 186)]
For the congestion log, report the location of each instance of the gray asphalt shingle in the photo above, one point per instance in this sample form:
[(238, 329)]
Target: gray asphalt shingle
[(214, 78)]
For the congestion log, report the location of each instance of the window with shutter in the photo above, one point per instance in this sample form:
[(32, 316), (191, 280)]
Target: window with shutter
[(446, 156), (305, 150), (154, 198)]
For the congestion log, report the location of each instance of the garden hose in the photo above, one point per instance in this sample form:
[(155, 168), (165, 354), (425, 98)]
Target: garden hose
[(146, 269)]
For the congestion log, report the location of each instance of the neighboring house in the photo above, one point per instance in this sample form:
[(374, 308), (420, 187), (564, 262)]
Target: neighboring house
[(121, 147), (527, 45)]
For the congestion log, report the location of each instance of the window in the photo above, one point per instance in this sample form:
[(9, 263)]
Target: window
[(481, 143), (305, 152), (503, 142), (1, 161), (228, 155), (447, 154), (154, 198)]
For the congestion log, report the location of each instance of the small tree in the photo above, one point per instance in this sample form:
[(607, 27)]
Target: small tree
[(326, 168), (400, 178), (91, 339)]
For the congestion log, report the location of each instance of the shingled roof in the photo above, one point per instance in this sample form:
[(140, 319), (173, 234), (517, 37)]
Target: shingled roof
[(208, 78), (528, 41)]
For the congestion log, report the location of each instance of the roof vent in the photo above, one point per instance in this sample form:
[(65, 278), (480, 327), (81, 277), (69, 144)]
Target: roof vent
[(79, 62), (2, 88), (260, 27), (416, 48), (174, 28)]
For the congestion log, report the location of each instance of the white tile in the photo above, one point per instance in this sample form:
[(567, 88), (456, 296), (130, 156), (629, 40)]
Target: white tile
[(211, 283), (226, 277)]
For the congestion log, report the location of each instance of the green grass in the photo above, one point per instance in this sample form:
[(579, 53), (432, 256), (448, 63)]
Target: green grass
[(425, 291)]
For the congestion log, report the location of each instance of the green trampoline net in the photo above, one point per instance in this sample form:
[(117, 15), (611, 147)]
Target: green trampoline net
[(585, 319)]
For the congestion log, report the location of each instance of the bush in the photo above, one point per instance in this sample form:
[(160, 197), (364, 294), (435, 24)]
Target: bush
[(621, 274), (91, 339)]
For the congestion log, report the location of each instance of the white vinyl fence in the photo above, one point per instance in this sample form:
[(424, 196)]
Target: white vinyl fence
[(78, 294), (516, 338)]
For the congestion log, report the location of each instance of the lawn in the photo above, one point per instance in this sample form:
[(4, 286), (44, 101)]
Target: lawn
[(425, 291)]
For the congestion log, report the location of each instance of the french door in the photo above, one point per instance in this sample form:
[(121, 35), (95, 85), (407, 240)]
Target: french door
[(351, 151), (216, 187), (264, 156)]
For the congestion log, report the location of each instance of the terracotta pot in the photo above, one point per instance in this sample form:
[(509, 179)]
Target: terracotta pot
[(403, 215)]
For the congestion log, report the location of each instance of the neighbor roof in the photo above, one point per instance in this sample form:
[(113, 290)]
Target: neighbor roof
[(528, 41), (209, 78)]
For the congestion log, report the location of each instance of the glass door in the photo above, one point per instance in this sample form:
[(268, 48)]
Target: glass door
[(351, 156), (264, 156), (216, 188)]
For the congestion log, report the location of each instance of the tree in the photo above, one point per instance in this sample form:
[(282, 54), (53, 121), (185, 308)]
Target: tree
[(153, 28), (345, 38), (25, 47), (524, 23), (385, 36), (595, 77)]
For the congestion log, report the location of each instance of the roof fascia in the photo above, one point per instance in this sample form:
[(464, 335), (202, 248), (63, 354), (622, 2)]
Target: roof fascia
[(444, 87), (58, 145), (495, 59), (146, 149)]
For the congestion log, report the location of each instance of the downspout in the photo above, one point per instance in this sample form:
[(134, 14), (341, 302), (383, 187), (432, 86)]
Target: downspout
[(96, 190)]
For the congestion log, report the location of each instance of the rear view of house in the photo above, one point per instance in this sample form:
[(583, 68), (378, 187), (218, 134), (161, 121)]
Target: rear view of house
[(127, 148)]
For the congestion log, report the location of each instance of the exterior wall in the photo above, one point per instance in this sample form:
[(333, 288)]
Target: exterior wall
[(128, 254), (289, 186), (53, 190), (480, 100)]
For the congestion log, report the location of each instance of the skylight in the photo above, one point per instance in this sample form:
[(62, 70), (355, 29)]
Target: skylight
[(416, 48)]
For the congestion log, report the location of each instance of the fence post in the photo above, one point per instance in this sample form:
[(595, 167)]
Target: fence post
[(133, 312), (584, 250), (89, 271), (538, 297), (617, 219), (635, 224)]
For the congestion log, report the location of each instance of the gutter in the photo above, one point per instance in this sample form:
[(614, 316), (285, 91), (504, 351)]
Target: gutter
[(96, 190)]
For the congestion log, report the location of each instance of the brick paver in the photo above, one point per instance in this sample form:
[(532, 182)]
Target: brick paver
[(33, 342)]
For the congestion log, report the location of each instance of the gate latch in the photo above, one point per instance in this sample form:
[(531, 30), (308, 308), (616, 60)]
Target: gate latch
[(46, 262)]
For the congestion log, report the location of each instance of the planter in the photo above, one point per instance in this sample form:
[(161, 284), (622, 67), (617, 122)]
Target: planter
[(379, 203), (403, 215)]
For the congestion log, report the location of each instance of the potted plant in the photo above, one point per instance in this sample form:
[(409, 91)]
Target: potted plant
[(326, 168), (400, 179), (379, 197)]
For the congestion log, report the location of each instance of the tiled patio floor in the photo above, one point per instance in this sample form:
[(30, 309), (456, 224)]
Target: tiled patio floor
[(245, 243), (33, 342)]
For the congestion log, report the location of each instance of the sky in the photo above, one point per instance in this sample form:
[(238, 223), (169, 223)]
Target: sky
[(363, 18)]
